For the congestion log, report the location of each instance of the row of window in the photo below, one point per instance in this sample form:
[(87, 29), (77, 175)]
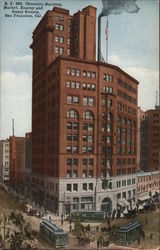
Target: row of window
[(60, 39), (74, 187), (127, 86), (77, 72), (126, 161), (75, 161), (123, 171), (61, 27), (74, 174), (126, 97), (74, 149), (87, 101), (123, 195), (108, 78), (123, 107), (60, 50), (124, 183), (74, 114), (76, 85)]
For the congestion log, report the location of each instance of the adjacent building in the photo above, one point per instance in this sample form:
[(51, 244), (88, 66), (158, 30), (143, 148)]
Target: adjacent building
[(17, 163), (28, 164), (148, 185), (4, 160), (84, 119), (150, 140)]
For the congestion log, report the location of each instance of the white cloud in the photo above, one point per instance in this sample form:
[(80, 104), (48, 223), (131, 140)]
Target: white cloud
[(114, 59), (21, 59), (148, 85), (15, 103)]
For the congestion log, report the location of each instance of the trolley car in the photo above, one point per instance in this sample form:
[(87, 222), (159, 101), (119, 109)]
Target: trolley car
[(53, 233), (128, 233), (88, 216)]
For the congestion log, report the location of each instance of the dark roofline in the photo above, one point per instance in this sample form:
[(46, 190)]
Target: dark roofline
[(62, 57)]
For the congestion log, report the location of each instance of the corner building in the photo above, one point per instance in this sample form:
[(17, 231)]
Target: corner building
[(84, 119)]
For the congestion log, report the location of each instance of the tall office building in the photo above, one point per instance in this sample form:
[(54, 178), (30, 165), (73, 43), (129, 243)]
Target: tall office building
[(84, 119), (4, 160), (150, 140)]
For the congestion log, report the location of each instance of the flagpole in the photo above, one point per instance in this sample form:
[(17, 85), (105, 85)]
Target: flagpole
[(107, 42)]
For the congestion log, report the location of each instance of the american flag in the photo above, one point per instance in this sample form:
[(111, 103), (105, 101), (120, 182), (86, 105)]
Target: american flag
[(106, 29)]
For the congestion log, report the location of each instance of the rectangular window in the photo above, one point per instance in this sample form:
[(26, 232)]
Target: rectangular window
[(75, 161), (69, 173), (69, 149), (56, 49), (61, 27), (75, 137), (78, 72), (75, 149), (85, 138), (90, 149), (68, 40), (61, 18), (57, 39), (69, 187), (84, 85), (69, 99), (73, 85), (75, 99), (85, 126), (89, 74), (61, 50), (93, 87), (84, 161), (69, 162), (75, 187), (68, 71), (57, 17), (68, 84), (75, 173), (91, 101), (61, 39), (85, 101), (90, 127), (69, 28), (69, 125), (84, 149), (91, 186), (73, 72), (57, 26), (68, 52), (84, 73), (90, 138), (90, 173), (77, 85), (69, 137), (75, 125), (85, 186), (94, 75)]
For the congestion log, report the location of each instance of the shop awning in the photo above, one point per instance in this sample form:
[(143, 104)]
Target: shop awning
[(123, 203), (144, 198)]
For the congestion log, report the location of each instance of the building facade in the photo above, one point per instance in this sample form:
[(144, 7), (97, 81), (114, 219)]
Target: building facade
[(150, 140), (17, 163), (84, 119), (4, 160), (148, 185)]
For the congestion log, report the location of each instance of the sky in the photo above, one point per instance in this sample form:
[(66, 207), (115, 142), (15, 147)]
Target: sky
[(133, 45)]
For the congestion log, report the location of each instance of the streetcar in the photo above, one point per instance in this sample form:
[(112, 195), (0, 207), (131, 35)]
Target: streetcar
[(128, 233), (53, 233), (88, 216)]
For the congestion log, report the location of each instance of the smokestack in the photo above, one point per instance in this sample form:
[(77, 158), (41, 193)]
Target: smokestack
[(13, 127), (99, 38)]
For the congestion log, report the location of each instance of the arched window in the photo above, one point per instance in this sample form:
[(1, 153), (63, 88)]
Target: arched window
[(72, 113), (88, 115)]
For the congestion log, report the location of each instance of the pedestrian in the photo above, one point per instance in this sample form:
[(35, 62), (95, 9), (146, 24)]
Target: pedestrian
[(151, 236), (97, 229), (138, 241), (70, 227), (97, 244), (61, 222)]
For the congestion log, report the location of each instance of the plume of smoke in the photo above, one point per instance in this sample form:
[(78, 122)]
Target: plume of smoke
[(118, 6)]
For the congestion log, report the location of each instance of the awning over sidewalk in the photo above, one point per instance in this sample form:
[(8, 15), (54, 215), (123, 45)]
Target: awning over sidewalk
[(144, 198), (123, 203)]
